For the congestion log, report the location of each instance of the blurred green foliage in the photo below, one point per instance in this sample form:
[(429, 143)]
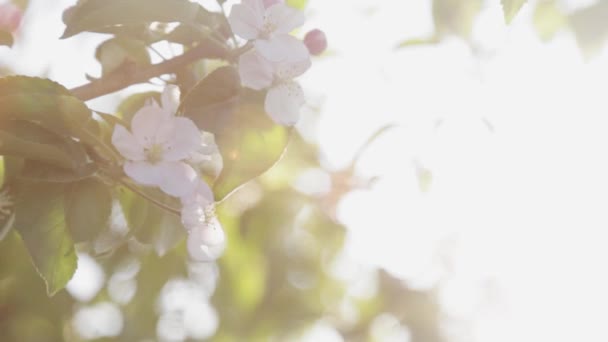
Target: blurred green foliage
[(457, 17)]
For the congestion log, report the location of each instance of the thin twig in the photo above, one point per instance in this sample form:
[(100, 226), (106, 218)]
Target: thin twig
[(153, 49), (117, 81), (149, 198)]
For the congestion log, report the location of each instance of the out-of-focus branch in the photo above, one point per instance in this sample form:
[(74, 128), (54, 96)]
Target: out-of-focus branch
[(124, 78)]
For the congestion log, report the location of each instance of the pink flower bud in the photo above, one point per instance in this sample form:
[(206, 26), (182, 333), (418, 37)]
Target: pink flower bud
[(268, 3), (10, 17), (316, 42)]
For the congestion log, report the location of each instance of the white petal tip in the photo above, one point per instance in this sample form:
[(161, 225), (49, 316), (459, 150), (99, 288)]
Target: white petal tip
[(206, 243)]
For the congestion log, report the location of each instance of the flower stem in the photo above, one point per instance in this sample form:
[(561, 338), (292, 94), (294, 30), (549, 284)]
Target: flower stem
[(107, 149), (149, 198), (117, 81)]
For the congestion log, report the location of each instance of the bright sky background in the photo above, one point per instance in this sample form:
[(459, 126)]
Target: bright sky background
[(513, 228)]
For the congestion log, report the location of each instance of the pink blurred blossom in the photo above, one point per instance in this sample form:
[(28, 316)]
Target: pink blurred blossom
[(10, 17), (316, 42)]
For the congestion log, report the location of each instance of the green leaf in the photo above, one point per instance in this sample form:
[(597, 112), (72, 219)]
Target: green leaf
[(251, 149), (88, 205), (511, 8), (48, 104), (129, 106), (40, 220), (299, 4), (139, 31), (186, 35), (590, 29), (61, 114), (48, 156), (96, 15), (115, 53), (45, 145), (160, 228), (548, 19), (11, 145), (113, 120), (134, 208), (12, 169), (455, 17), (250, 143), (433, 40), (218, 88), (6, 38), (149, 223), (25, 84), (199, 32), (44, 102), (42, 172)]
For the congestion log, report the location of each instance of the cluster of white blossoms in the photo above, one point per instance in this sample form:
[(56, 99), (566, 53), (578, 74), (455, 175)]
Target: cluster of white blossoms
[(169, 152), (277, 57)]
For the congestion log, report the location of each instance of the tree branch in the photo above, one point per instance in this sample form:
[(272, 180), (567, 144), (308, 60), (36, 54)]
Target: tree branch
[(124, 78)]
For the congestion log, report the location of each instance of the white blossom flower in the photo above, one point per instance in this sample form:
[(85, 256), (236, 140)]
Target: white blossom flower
[(268, 3), (206, 239), (269, 29), (196, 205), (157, 146), (206, 242), (285, 97), (207, 159)]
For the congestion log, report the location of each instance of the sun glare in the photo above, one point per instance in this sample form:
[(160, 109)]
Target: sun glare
[(492, 186)]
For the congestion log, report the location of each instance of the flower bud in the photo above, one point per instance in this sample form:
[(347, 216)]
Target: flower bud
[(10, 17), (316, 42), (192, 215), (206, 242), (268, 3)]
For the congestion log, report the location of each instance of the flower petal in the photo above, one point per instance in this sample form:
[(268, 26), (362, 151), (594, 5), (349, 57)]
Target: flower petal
[(170, 100), (145, 125), (209, 146), (284, 18), (255, 71), (207, 159), (177, 179), (194, 204), (281, 48), (206, 242), (268, 3), (246, 19), (126, 144), (283, 103), (192, 216), (289, 70), (185, 139), (202, 195), (144, 173)]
